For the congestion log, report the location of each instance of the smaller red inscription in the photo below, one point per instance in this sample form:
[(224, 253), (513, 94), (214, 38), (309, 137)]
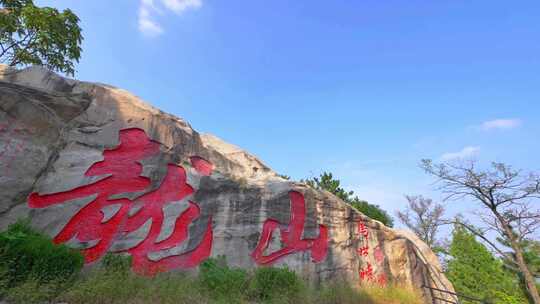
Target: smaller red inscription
[(362, 229), (363, 251), (366, 273)]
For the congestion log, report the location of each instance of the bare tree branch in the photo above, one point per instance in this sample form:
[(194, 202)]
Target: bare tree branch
[(504, 195)]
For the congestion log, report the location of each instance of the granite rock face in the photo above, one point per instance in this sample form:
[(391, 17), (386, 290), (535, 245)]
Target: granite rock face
[(96, 168)]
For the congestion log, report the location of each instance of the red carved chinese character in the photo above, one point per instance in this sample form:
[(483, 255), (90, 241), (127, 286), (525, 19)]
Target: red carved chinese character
[(362, 229), (366, 274), (363, 251), (291, 235), (202, 166), (121, 171), (174, 188)]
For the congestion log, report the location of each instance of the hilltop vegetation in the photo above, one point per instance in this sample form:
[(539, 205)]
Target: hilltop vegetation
[(326, 181)]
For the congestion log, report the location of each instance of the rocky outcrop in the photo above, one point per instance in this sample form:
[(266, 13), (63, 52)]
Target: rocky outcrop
[(100, 170)]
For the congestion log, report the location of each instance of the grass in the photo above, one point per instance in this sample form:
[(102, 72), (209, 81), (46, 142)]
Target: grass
[(33, 270), (101, 286), (216, 283)]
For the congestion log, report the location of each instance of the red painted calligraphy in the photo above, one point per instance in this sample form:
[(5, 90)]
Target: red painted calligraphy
[(367, 273), (363, 251), (202, 166), (291, 235), (121, 169), (174, 188), (362, 229)]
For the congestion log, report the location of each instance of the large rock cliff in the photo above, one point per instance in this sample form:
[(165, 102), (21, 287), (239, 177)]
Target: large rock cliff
[(100, 170)]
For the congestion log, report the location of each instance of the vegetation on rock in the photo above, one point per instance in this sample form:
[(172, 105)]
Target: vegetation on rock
[(326, 181)]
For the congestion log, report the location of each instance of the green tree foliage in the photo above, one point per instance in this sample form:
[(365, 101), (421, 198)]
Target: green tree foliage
[(475, 272), (531, 254), (326, 181), (31, 35), (372, 211), (508, 199), (531, 250)]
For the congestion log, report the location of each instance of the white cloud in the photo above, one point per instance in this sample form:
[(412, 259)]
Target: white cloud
[(465, 153), (500, 124), (178, 6), (148, 8), (146, 25)]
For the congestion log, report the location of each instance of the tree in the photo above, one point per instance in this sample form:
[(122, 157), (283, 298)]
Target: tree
[(372, 211), (327, 182), (423, 217), (31, 35), (505, 196), (475, 272), (531, 254)]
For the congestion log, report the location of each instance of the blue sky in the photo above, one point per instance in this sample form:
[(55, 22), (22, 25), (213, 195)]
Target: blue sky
[(364, 89)]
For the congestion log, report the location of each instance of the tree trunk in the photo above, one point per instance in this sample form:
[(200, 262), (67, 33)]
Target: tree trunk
[(530, 281), (527, 275)]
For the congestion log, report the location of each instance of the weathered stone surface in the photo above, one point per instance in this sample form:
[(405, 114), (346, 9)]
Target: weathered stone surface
[(98, 169)]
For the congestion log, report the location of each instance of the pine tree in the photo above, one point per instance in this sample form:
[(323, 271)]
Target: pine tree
[(327, 182), (474, 271)]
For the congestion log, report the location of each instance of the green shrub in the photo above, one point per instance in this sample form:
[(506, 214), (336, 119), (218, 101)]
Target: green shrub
[(221, 280), (4, 281), (26, 254), (117, 263), (275, 283)]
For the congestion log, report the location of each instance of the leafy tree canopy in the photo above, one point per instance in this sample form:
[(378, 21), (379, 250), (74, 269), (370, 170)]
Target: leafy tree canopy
[(326, 181), (372, 211), (532, 256), (31, 35), (475, 272)]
